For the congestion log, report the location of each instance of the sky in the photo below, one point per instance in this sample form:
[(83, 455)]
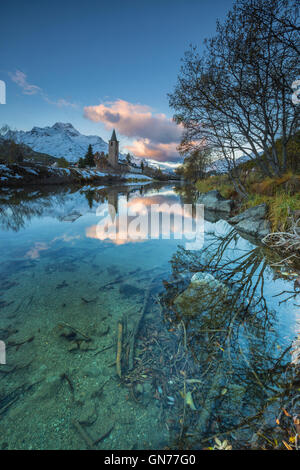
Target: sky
[(100, 65)]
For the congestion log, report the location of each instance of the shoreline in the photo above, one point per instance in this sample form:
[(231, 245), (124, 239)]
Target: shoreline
[(14, 175)]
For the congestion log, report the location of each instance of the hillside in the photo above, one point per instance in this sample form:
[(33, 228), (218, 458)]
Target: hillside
[(24, 150)]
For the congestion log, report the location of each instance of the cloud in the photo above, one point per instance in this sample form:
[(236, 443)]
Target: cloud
[(66, 238), (20, 78), (61, 103), (142, 224), (156, 136), (34, 252), (135, 120), (159, 152)]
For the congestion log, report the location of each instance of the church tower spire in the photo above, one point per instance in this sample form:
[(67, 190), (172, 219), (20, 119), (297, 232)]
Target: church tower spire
[(113, 150)]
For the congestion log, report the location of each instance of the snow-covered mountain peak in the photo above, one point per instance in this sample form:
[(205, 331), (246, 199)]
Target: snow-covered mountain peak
[(59, 140), (65, 127)]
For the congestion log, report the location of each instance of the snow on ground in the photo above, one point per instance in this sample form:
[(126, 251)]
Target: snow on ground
[(136, 176), (39, 171)]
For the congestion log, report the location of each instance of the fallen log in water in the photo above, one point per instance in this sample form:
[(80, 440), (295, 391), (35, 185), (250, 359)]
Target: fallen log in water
[(119, 349), (135, 332), (83, 434)]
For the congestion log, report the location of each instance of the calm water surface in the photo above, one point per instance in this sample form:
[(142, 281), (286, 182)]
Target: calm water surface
[(65, 291)]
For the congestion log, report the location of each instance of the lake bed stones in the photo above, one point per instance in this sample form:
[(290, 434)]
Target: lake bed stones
[(204, 294)]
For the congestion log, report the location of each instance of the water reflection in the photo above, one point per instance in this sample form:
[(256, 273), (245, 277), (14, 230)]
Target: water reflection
[(139, 219), (237, 364), (217, 365), (20, 206)]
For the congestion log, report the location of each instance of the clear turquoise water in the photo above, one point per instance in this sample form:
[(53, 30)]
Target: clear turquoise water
[(56, 274)]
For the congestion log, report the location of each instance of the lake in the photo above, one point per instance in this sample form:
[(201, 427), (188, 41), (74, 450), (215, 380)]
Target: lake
[(108, 344)]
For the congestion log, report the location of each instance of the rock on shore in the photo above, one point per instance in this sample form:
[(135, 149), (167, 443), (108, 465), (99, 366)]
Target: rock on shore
[(253, 221), (213, 201)]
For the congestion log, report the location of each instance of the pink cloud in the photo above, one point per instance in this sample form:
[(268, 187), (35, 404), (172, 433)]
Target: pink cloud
[(156, 151), (34, 253), (156, 135)]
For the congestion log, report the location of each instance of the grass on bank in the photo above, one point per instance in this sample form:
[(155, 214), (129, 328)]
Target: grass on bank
[(282, 195), (280, 206)]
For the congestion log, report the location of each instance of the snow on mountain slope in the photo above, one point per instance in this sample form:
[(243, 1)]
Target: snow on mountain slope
[(60, 140)]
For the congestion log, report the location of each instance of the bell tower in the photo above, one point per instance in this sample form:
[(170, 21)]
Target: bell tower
[(113, 150)]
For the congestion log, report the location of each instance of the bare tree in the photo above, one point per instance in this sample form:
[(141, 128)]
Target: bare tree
[(236, 97), (196, 163), (285, 14)]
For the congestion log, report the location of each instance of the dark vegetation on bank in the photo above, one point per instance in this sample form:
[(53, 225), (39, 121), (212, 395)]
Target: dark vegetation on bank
[(11, 152)]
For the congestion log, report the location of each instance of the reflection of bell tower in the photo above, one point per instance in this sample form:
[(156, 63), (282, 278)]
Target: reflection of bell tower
[(113, 150), (112, 199)]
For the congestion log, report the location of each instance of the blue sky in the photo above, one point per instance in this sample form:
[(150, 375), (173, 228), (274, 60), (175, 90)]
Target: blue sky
[(101, 64)]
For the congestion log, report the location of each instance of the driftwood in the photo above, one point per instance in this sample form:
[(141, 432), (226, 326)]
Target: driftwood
[(75, 330), (206, 410), (104, 349), (132, 325), (119, 349), (14, 396), (135, 332), (86, 301), (28, 340), (83, 434), (5, 407), (65, 377), (285, 242), (103, 436), (15, 368), (86, 438)]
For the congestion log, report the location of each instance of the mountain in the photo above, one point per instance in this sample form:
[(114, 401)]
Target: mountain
[(166, 167), (63, 140), (60, 140)]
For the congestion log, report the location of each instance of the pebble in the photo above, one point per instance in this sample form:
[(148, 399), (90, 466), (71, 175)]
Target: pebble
[(171, 400)]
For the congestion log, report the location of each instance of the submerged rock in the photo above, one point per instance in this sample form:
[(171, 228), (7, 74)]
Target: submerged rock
[(204, 294), (88, 414), (68, 333), (201, 278), (130, 290)]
